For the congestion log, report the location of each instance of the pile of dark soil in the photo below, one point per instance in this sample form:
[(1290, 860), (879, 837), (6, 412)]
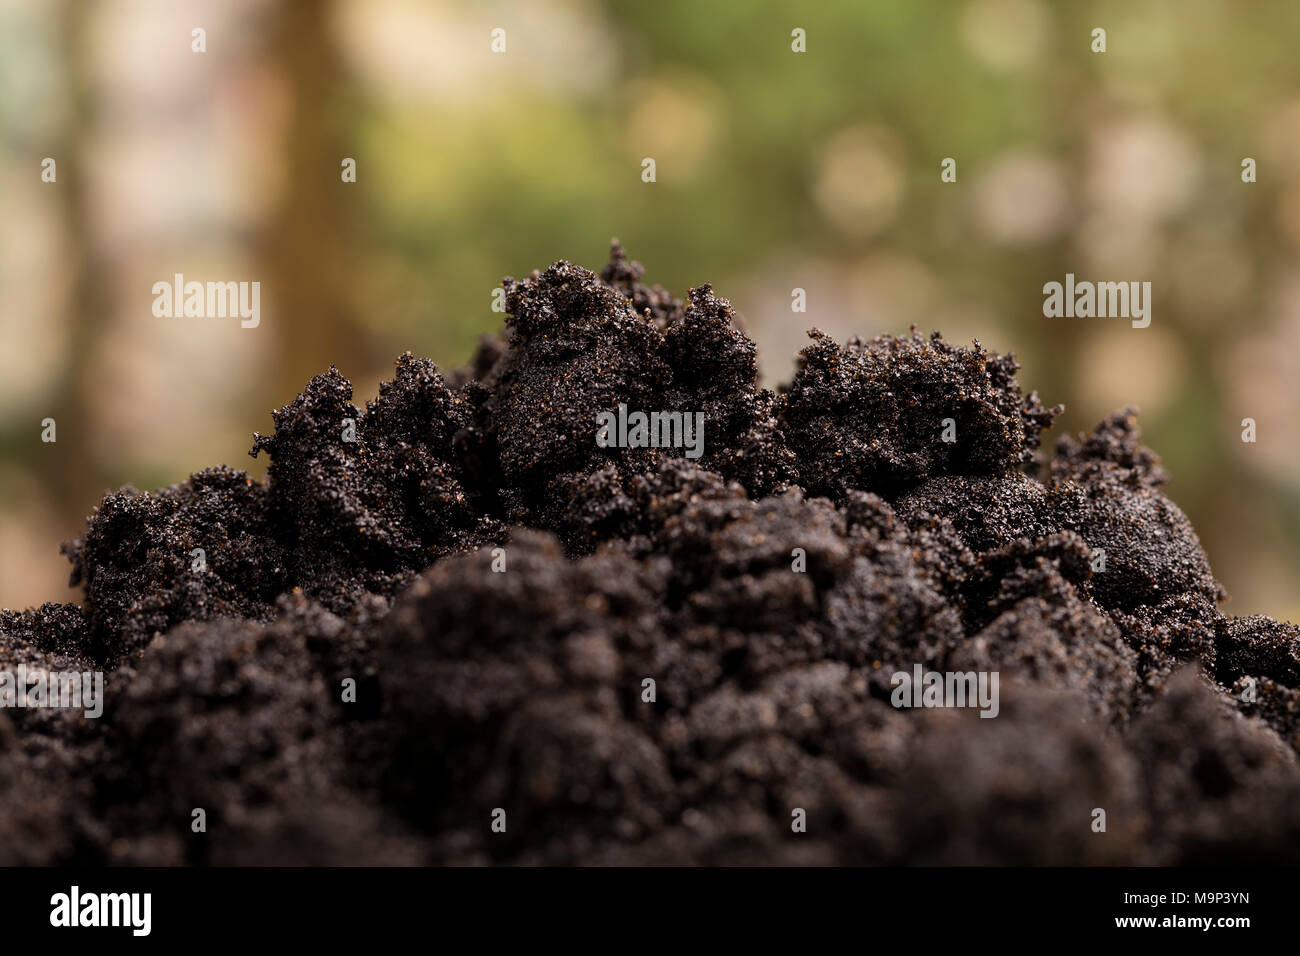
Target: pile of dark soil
[(643, 658)]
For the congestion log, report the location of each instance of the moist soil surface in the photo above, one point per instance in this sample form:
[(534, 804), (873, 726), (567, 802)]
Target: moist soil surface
[(472, 614)]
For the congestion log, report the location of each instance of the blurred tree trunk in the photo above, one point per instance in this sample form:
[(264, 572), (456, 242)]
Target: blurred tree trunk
[(75, 475), (304, 255)]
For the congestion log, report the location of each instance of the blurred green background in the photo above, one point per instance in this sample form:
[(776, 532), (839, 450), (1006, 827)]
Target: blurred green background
[(775, 170)]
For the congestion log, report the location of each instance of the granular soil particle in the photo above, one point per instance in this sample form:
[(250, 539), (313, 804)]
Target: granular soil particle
[(501, 589)]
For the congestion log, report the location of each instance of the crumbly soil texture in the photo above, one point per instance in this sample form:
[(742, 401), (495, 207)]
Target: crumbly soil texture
[(451, 627)]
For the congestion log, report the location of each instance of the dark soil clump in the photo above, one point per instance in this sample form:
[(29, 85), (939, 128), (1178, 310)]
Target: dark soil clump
[(452, 627)]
